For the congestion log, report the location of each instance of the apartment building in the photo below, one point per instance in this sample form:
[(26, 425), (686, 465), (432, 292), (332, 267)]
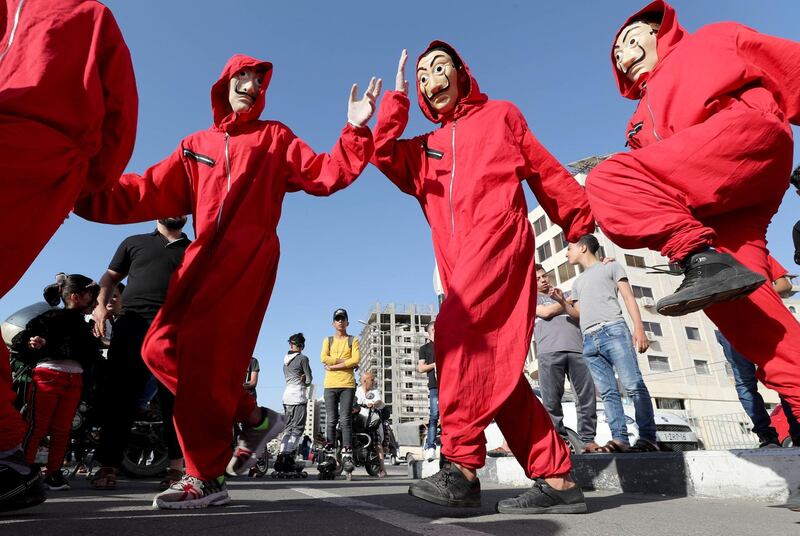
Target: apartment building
[(390, 342)]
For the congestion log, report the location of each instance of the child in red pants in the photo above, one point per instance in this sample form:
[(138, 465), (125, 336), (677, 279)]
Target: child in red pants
[(62, 345)]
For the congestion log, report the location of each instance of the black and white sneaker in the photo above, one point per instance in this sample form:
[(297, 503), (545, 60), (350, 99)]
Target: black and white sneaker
[(448, 487), (20, 483), (709, 277), (252, 442), (544, 499), (56, 481)]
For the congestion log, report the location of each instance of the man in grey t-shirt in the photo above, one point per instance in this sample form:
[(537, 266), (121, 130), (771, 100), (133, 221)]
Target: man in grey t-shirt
[(559, 350), (608, 344)]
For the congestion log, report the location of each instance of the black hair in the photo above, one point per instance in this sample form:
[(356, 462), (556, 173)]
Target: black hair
[(66, 285), (298, 339), (429, 325), (650, 18), (795, 178), (591, 243), (449, 51), (538, 267)]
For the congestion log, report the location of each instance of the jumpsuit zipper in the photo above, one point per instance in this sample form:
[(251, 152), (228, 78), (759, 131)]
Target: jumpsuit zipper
[(228, 171), (13, 30), (652, 117), (452, 179)]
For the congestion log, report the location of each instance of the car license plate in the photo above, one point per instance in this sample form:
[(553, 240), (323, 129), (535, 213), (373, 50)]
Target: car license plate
[(674, 436)]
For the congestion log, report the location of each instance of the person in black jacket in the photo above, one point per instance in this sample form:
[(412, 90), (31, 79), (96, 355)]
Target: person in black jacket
[(61, 346)]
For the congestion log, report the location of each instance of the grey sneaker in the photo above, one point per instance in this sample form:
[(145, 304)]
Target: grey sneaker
[(253, 440), (448, 487), (543, 499), (190, 492)]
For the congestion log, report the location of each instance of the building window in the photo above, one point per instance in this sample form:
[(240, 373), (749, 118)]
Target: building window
[(670, 403), (544, 252), (559, 242), (566, 272), (407, 373), (406, 339), (655, 327), (408, 385), (409, 397), (407, 362), (634, 260), (407, 350), (551, 277), (601, 253), (409, 409), (693, 334), (540, 226), (728, 369), (701, 367), (792, 309), (642, 292), (658, 363)]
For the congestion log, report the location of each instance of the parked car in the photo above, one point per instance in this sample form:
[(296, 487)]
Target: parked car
[(410, 439)]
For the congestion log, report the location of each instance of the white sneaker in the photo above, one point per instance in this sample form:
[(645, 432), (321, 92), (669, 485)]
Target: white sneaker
[(191, 492), (430, 454), (252, 442)]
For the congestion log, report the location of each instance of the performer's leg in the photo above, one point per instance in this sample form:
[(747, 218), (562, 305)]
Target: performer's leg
[(530, 434), (776, 349)]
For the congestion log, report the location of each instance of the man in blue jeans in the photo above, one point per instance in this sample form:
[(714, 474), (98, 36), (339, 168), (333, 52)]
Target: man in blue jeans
[(427, 365), (608, 344)]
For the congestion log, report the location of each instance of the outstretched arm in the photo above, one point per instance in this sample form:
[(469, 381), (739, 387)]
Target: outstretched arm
[(560, 195), (163, 191), (400, 160), (323, 174)]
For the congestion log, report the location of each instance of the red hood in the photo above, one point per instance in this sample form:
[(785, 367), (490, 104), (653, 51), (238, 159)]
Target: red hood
[(224, 116), (668, 37), (471, 98)]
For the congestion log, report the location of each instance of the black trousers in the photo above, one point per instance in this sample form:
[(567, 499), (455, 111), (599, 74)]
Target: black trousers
[(339, 409), (120, 384)]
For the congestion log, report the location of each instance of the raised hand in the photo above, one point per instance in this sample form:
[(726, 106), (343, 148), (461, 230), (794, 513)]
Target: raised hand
[(400, 82), (360, 111)]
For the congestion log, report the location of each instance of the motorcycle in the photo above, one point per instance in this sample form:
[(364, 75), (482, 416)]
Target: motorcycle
[(366, 440)]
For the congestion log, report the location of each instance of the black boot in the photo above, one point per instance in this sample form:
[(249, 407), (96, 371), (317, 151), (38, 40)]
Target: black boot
[(448, 487), (769, 440), (709, 277)]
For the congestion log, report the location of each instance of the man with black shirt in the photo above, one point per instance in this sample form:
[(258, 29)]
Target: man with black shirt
[(147, 260), (427, 364)]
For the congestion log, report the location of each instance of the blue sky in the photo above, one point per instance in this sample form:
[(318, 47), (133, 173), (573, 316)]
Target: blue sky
[(370, 243)]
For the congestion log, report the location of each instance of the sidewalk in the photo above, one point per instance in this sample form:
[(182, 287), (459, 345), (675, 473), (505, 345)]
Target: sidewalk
[(759, 474)]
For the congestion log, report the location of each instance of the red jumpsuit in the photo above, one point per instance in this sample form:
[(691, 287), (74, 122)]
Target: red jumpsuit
[(68, 107), (232, 178), (467, 178), (710, 160)]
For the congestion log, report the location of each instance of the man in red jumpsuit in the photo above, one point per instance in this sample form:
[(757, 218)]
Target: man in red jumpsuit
[(232, 178), (711, 154), (467, 178), (68, 106)]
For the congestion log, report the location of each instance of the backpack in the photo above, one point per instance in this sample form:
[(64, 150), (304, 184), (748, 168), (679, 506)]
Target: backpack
[(349, 343)]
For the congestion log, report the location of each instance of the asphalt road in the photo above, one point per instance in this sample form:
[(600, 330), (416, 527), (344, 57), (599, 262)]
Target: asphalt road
[(368, 506)]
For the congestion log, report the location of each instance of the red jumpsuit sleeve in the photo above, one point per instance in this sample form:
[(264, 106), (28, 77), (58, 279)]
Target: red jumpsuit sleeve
[(399, 160), (779, 60), (323, 174), (775, 269), (163, 191), (121, 103), (559, 194)]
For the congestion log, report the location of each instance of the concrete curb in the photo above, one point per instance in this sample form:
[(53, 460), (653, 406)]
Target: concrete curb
[(761, 474)]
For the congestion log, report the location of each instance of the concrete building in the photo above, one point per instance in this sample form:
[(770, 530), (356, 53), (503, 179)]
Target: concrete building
[(684, 367), (390, 344)]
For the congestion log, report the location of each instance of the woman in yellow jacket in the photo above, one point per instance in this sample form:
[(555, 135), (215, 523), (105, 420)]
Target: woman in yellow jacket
[(340, 355)]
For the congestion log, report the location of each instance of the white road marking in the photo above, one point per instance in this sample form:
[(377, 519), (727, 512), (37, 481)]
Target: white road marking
[(401, 520)]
